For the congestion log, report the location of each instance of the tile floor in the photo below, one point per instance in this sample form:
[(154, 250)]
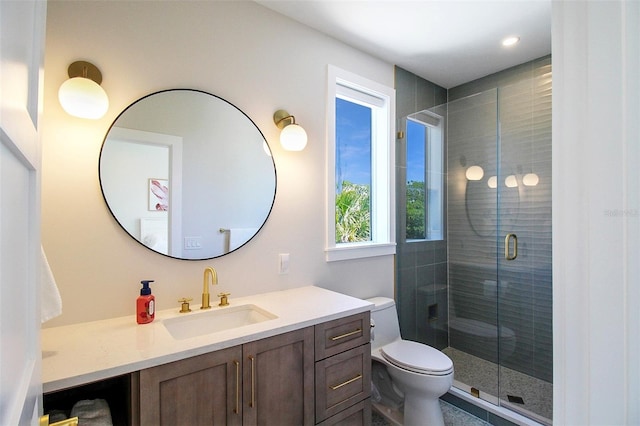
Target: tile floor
[(453, 416), (537, 395)]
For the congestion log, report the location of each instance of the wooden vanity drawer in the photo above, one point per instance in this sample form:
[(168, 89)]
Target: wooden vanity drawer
[(342, 381), (356, 415), (342, 334)]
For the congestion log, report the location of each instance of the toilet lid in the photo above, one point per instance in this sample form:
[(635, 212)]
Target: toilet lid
[(417, 357)]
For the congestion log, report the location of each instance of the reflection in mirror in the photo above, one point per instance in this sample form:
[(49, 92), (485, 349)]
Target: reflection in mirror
[(481, 198), (187, 174)]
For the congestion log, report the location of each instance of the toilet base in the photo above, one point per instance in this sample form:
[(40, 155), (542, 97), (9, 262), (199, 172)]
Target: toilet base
[(420, 412)]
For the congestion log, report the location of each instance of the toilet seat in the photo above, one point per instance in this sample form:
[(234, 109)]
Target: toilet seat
[(417, 358)]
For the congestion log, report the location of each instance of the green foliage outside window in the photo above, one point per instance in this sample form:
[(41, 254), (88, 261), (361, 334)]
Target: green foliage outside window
[(416, 210), (353, 213)]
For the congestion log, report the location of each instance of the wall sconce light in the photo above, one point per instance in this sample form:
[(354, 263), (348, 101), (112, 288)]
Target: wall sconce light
[(474, 173), (81, 95), (530, 179), (292, 137)]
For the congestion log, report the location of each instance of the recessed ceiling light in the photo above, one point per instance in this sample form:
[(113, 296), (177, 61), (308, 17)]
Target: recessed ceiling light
[(510, 41)]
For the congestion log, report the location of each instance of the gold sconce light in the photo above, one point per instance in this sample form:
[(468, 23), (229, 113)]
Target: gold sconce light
[(81, 95), (292, 136)]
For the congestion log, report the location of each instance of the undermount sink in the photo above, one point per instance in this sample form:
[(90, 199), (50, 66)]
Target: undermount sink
[(217, 319)]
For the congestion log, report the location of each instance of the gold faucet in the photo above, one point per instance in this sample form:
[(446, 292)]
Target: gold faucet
[(205, 286)]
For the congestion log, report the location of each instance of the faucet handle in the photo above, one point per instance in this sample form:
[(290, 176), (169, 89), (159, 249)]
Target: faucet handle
[(185, 305), (224, 300)]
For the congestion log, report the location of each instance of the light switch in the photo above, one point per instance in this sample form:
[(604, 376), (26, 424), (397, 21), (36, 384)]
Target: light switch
[(283, 263)]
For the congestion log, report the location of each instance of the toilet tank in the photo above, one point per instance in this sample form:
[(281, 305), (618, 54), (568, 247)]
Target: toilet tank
[(385, 318)]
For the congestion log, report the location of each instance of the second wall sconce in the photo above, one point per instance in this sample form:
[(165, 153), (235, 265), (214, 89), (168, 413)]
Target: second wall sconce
[(81, 95), (292, 137)]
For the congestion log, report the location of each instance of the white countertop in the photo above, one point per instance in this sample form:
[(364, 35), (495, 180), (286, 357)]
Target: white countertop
[(76, 354)]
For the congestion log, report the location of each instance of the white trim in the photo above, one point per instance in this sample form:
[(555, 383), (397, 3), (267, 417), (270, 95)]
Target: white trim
[(341, 82), (359, 250), (596, 230)]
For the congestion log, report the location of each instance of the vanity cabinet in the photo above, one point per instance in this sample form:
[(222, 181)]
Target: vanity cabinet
[(309, 365), (343, 371), (268, 381), (316, 375)]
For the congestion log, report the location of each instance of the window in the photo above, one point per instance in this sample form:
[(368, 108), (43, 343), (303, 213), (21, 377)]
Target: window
[(425, 178), (360, 167)]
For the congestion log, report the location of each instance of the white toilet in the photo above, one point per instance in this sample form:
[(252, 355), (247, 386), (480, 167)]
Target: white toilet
[(421, 372)]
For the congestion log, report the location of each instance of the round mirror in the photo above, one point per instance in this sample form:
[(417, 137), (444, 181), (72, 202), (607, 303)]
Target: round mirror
[(187, 174)]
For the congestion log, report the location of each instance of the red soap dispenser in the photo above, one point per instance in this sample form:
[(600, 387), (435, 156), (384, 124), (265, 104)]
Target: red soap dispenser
[(145, 305)]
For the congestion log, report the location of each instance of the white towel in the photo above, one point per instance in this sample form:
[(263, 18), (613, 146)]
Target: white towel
[(50, 300), (239, 236)]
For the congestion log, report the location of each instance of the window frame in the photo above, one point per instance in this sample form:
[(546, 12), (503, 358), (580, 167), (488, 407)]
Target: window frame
[(362, 90)]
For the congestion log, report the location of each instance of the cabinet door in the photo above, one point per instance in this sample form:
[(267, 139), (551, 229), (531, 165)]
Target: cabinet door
[(278, 380), (203, 390)]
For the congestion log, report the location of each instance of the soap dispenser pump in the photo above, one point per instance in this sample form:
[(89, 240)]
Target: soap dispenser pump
[(145, 305)]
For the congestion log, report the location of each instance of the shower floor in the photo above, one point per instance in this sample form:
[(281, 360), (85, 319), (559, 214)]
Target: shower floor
[(536, 395)]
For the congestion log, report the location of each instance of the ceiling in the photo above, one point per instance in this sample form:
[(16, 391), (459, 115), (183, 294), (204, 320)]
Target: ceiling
[(448, 42)]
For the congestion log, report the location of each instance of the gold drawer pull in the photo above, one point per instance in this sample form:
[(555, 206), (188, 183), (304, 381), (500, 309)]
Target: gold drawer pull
[(358, 377), (342, 336), (253, 381), (237, 364)]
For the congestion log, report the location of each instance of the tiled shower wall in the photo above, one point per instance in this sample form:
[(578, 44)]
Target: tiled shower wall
[(428, 273), (421, 267)]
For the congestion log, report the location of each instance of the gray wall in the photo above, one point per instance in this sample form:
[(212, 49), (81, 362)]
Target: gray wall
[(421, 267)]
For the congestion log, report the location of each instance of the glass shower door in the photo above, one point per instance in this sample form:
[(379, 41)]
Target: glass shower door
[(499, 239), (524, 247)]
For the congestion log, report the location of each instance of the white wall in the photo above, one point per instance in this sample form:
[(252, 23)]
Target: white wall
[(252, 57), (596, 212)]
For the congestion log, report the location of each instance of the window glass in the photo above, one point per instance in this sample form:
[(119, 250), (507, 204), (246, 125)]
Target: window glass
[(353, 172), (425, 178), (416, 178)]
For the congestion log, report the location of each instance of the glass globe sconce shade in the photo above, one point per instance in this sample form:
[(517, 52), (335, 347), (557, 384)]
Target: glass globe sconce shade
[(492, 182), (292, 136), (81, 95)]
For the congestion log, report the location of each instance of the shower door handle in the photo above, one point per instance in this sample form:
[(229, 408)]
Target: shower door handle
[(508, 253)]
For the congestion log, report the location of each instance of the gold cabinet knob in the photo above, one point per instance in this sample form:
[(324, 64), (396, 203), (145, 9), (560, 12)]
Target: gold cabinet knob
[(184, 305)]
